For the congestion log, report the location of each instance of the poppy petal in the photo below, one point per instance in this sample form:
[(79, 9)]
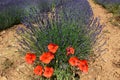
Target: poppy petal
[(73, 61), (38, 70), (53, 47), (83, 66), (30, 58), (46, 57), (70, 50), (48, 72)]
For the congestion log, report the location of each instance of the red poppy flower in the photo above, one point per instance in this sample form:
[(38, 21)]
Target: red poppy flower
[(83, 66), (38, 70), (70, 50), (52, 47), (73, 61), (46, 57), (30, 58), (48, 72)]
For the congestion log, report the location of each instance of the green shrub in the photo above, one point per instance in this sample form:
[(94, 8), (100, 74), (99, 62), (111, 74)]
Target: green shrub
[(11, 13), (43, 30), (64, 28), (9, 18)]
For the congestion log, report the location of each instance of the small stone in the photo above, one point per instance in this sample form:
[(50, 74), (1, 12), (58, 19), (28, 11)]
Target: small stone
[(89, 77), (0, 39), (9, 46), (3, 78), (98, 78), (3, 32)]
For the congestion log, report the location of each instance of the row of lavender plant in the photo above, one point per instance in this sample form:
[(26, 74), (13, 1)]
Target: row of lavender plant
[(11, 11)]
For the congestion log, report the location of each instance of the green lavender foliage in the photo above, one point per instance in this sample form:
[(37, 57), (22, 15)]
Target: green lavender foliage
[(61, 32), (8, 18), (64, 28), (12, 11), (42, 30)]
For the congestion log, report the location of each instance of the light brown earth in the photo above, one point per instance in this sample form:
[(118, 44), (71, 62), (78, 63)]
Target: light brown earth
[(106, 67), (12, 65)]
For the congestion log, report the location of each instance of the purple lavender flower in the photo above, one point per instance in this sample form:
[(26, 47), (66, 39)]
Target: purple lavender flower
[(80, 10)]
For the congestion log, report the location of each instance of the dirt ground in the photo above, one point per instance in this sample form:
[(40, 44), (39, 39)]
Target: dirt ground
[(12, 64), (106, 67)]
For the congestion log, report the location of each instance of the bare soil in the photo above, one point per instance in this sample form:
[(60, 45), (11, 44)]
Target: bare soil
[(106, 67), (12, 64)]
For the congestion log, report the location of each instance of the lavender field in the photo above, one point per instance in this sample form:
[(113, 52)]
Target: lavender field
[(59, 40)]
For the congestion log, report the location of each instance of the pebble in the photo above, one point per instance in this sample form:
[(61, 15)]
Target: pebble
[(98, 78), (3, 78), (0, 39), (3, 32)]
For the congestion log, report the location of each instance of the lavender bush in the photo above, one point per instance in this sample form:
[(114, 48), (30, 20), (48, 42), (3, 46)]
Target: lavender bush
[(70, 24), (11, 11), (78, 15), (78, 10)]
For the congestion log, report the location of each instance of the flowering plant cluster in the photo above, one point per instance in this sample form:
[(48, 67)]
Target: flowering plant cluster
[(74, 33), (47, 57)]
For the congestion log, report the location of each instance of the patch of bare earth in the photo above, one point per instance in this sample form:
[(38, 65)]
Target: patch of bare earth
[(12, 64), (107, 66)]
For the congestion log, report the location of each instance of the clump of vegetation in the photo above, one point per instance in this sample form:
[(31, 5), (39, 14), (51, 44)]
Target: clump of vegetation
[(12, 11), (9, 18), (52, 42)]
